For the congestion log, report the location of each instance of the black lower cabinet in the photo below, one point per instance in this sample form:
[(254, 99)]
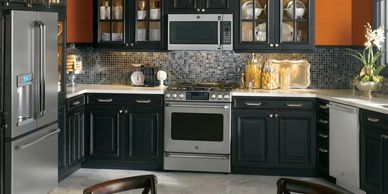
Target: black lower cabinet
[(71, 140), (295, 135), (275, 140), (253, 139), (126, 136), (105, 133), (374, 153)]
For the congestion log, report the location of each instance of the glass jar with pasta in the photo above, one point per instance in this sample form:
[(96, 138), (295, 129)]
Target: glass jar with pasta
[(253, 72)]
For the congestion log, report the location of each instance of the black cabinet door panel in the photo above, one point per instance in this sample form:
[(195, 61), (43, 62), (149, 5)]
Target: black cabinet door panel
[(75, 137), (143, 135), (371, 159), (104, 133), (62, 143), (296, 139), (252, 137)]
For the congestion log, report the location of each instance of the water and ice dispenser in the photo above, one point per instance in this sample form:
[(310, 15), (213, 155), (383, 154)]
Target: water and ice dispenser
[(25, 98)]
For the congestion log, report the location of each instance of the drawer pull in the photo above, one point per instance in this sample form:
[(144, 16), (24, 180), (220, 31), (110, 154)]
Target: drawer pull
[(323, 150), (323, 106), (323, 135), (323, 121), (294, 105), (104, 100), (76, 103), (373, 120), (384, 137), (253, 104), (143, 101)]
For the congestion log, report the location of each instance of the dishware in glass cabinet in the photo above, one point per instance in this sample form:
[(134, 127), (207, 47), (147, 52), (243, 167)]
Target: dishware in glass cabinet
[(250, 10), (155, 31), (294, 9), (155, 9), (142, 10), (117, 9), (141, 31)]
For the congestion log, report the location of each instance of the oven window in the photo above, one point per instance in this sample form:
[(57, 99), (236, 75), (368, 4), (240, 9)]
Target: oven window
[(194, 32), (197, 127)]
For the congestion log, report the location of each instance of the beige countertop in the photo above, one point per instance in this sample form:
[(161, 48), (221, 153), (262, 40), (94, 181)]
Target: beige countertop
[(346, 97), (112, 89)]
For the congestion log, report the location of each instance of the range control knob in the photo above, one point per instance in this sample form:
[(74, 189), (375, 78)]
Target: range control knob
[(226, 97), (174, 95), (219, 96), (181, 96), (168, 95), (213, 96)]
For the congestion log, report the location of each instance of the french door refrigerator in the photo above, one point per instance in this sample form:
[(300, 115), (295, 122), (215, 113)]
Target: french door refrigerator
[(31, 102)]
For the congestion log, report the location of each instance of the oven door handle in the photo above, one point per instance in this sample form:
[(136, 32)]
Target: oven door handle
[(197, 156), (197, 106)]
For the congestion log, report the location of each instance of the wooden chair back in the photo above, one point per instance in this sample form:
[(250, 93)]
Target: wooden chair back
[(287, 186)]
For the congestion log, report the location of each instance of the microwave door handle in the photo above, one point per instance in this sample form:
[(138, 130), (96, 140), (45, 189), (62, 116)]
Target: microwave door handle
[(219, 32)]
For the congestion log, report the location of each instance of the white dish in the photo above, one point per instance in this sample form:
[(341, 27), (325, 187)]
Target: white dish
[(287, 32), (300, 9), (155, 14), (247, 9)]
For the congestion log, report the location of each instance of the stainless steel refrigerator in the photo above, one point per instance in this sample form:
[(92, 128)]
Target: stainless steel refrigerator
[(31, 102)]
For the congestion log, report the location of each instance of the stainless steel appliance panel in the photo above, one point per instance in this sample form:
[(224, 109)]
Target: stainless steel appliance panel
[(212, 146), (32, 71), (32, 166), (22, 59), (197, 162), (49, 76)]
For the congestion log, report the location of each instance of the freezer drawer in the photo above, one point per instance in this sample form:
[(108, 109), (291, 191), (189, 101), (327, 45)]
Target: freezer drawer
[(32, 162)]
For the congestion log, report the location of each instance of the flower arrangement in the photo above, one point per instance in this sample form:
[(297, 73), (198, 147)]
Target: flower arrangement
[(370, 72)]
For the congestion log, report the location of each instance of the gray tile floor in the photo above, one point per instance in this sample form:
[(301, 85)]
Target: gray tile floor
[(180, 182)]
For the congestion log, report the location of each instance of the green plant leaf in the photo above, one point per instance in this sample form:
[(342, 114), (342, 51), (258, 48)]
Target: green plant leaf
[(379, 69)]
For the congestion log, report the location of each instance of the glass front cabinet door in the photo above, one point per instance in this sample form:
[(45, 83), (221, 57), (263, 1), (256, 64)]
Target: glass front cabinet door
[(282, 25), (130, 24)]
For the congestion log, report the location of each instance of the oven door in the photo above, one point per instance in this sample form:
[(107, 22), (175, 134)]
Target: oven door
[(197, 127), (194, 32)]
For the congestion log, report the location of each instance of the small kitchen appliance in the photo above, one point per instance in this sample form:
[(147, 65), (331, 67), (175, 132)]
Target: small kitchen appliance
[(198, 127)]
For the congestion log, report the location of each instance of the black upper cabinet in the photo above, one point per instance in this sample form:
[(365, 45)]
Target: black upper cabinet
[(296, 135), (200, 6), (127, 24), (43, 5), (253, 138), (274, 26), (105, 132)]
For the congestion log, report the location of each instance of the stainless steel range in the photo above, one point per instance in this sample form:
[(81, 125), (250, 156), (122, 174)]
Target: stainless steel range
[(197, 127)]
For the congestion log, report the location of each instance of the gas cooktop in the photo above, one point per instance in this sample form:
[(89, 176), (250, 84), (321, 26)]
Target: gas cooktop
[(203, 91)]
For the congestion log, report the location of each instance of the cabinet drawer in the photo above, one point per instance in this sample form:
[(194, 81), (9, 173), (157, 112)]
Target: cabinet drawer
[(273, 103), (323, 120), (322, 106), (125, 99), (75, 102), (374, 118), (323, 158)]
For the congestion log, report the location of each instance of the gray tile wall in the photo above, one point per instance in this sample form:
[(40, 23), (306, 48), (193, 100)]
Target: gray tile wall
[(330, 67)]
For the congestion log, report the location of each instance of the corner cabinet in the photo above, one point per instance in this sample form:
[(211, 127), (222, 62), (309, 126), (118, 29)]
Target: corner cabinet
[(275, 25), (126, 24), (374, 152), (200, 6)]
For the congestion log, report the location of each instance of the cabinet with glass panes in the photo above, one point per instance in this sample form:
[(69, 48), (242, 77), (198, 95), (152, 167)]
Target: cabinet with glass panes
[(282, 25), (130, 24)]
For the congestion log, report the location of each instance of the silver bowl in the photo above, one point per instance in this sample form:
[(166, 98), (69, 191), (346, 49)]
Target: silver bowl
[(367, 87)]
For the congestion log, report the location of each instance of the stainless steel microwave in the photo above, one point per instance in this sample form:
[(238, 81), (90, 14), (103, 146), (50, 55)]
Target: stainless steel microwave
[(200, 32)]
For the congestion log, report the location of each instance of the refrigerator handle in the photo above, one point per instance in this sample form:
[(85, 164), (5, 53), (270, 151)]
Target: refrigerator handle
[(42, 70)]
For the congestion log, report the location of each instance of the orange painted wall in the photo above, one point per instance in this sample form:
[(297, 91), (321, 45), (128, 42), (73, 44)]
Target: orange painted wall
[(341, 22), (79, 21)]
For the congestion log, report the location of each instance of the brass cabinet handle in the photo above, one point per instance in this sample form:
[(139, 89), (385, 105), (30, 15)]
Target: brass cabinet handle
[(143, 101), (76, 103), (323, 135), (253, 104), (323, 150), (294, 105), (323, 121), (322, 106), (104, 100), (373, 120)]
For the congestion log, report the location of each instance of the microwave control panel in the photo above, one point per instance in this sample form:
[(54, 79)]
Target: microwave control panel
[(226, 32)]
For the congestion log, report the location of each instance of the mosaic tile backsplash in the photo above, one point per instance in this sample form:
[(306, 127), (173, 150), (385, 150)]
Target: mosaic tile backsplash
[(330, 67)]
